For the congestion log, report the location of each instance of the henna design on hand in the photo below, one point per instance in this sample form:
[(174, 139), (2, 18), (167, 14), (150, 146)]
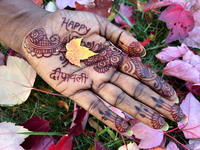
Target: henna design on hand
[(138, 90), (107, 58), (66, 77), (37, 44), (156, 120), (163, 87), (120, 124), (80, 29), (176, 112), (134, 49), (145, 74)]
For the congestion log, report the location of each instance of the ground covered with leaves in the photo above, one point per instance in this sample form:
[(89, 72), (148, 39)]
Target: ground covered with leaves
[(168, 29)]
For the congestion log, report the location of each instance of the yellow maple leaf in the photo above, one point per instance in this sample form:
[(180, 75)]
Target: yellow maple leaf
[(76, 52)]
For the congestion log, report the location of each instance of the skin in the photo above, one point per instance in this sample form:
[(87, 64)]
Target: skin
[(118, 79)]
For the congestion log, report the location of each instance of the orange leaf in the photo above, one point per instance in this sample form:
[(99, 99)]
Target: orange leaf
[(76, 52)]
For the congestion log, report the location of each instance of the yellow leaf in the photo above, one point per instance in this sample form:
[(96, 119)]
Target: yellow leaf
[(76, 52)]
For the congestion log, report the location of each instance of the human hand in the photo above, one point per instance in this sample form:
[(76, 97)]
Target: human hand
[(120, 80)]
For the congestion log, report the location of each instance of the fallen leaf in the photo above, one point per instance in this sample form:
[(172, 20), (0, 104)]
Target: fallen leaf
[(193, 88), (182, 70), (99, 7), (98, 146), (38, 2), (44, 144), (65, 143), (194, 144), (94, 124), (44, 89), (191, 108), (71, 3), (76, 52), (2, 59), (35, 124), (172, 146), (193, 39), (9, 138), (91, 147), (16, 80), (192, 59), (50, 7), (150, 138), (130, 146), (172, 53), (180, 21), (126, 11), (154, 4), (158, 148), (62, 104), (79, 122)]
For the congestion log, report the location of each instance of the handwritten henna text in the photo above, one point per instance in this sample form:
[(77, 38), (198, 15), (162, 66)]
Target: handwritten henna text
[(57, 74)]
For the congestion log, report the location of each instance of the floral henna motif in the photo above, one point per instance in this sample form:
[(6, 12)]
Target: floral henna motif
[(156, 120), (134, 49), (106, 59), (176, 112), (120, 124), (145, 74)]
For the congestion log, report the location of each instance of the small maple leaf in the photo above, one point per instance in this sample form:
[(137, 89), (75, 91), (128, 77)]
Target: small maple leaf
[(76, 52)]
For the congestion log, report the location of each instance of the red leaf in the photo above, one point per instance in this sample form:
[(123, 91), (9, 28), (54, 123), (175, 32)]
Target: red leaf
[(65, 143), (149, 137), (172, 53), (182, 70), (36, 124), (98, 146), (181, 21), (193, 88), (191, 108), (127, 11), (44, 144), (145, 42), (78, 124), (99, 7), (156, 4)]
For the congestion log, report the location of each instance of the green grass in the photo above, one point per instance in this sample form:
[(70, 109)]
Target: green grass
[(40, 104)]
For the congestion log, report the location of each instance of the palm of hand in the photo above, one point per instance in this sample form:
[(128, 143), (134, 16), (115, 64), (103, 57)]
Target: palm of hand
[(104, 75)]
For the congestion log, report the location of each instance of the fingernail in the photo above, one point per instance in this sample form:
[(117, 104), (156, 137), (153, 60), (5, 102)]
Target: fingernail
[(176, 100), (184, 119), (129, 132), (165, 127)]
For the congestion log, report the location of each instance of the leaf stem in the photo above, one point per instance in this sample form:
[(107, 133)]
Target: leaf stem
[(160, 46), (48, 92)]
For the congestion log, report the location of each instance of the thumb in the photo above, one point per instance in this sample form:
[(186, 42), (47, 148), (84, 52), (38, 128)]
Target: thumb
[(120, 38)]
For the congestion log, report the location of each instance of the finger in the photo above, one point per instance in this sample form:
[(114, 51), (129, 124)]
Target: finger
[(96, 107), (148, 97), (116, 97), (122, 39), (144, 74)]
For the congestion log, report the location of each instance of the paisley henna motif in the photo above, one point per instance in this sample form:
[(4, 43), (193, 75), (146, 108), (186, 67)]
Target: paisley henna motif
[(38, 45)]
